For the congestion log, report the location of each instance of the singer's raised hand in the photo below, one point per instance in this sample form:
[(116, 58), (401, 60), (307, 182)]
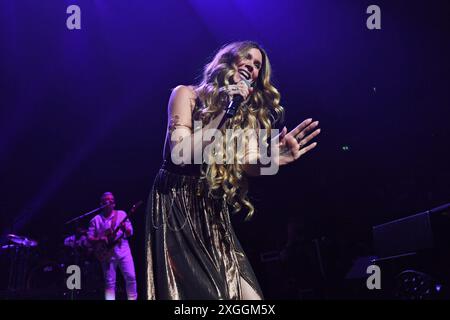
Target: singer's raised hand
[(241, 88), (296, 143)]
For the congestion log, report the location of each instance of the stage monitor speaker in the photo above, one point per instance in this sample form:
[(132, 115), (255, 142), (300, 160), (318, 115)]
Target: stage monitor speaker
[(422, 231)]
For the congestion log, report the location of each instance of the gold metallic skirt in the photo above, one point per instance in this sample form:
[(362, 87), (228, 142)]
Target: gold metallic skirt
[(191, 249)]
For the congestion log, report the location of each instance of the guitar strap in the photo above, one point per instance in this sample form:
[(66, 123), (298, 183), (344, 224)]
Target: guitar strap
[(114, 221)]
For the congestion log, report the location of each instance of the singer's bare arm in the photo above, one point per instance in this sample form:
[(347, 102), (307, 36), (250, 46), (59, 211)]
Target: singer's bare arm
[(179, 129)]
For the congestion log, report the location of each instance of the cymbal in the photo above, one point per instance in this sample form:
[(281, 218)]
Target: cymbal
[(23, 241), (8, 246)]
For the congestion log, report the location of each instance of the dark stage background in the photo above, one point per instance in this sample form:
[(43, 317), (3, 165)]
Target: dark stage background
[(84, 111)]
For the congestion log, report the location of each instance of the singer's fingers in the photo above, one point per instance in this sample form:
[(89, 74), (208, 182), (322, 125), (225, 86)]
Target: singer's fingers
[(243, 91), (308, 138), (231, 90), (235, 90), (302, 151), (300, 127), (308, 128), (242, 84)]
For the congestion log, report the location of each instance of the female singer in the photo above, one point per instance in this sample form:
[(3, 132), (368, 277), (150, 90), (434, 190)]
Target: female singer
[(192, 251)]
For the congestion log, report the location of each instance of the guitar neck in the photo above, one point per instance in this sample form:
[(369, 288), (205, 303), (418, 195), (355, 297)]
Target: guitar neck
[(118, 225), (133, 209)]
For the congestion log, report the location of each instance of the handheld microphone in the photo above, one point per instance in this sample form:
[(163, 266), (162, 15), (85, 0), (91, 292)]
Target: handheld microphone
[(236, 101)]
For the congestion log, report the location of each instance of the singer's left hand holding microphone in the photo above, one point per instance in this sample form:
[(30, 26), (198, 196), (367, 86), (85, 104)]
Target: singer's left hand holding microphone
[(241, 88)]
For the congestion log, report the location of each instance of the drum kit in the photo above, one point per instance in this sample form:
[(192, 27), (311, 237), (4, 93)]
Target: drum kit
[(20, 242), (31, 273), (18, 251)]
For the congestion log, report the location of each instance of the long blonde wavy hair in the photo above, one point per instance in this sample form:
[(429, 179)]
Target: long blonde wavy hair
[(259, 111)]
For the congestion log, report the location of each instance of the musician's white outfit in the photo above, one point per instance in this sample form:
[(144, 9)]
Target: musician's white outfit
[(121, 258)]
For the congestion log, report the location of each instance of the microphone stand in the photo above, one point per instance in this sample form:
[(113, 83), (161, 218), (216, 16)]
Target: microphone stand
[(87, 213)]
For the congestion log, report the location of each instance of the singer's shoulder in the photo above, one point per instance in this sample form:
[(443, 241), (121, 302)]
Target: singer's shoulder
[(184, 93)]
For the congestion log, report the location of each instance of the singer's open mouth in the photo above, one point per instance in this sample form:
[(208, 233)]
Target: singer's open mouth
[(245, 74)]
